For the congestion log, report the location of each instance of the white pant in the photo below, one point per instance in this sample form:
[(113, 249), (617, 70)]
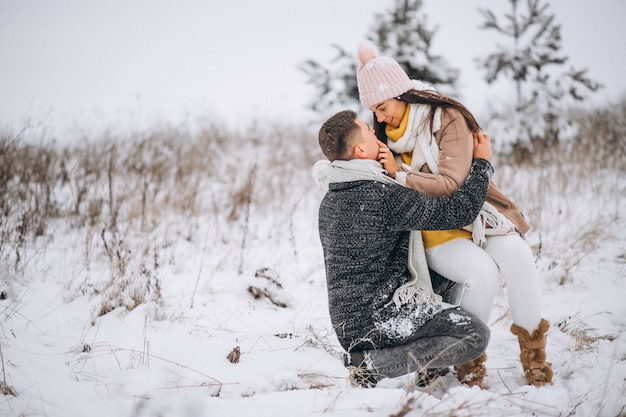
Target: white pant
[(479, 269)]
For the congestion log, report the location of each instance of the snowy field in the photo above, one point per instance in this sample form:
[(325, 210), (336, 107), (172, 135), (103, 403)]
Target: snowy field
[(139, 316)]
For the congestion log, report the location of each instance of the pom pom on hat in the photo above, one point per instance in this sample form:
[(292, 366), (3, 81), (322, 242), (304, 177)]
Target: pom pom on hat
[(379, 78), (367, 52)]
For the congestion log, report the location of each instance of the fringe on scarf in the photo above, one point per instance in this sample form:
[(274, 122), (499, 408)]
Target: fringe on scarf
[(489, 222), (420, 289)]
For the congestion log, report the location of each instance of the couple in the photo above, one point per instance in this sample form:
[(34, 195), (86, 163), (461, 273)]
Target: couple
[(390, 216)]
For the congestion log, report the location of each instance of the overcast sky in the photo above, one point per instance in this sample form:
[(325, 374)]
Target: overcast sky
[(92, 65)]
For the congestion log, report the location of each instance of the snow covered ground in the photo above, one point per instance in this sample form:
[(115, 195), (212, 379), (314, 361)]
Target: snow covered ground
[(168, 356)]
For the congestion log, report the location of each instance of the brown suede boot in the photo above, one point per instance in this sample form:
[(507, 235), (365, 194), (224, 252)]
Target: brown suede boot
[(473, 372), (533, 354)]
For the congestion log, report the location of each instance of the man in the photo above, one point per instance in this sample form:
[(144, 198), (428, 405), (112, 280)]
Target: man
[(382, 307)]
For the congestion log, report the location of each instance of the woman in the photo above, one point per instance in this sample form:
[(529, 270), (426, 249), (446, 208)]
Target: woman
[(433, 134)]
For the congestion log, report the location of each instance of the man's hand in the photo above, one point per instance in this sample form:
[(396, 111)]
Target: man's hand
[(387, 160), (482, 146)]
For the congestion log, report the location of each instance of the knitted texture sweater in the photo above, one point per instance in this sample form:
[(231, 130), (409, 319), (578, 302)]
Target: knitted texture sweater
[(364, 228)]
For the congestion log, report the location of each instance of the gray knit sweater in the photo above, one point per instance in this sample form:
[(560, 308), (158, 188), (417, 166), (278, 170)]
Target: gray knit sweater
[(364, 229)]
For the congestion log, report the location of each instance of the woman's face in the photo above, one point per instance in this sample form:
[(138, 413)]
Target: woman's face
[(389, 111)]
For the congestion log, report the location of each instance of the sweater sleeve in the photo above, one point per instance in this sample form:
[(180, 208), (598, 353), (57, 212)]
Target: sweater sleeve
[(411, 210), (455, 158)]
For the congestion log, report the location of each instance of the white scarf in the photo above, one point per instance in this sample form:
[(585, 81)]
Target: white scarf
[(419, 289), (426, 151), (418, 140)]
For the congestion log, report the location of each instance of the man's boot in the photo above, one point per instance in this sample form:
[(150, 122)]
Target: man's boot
[(473, 372), (533, 354)]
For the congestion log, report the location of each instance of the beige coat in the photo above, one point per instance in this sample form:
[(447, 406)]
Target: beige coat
[(455, 158)]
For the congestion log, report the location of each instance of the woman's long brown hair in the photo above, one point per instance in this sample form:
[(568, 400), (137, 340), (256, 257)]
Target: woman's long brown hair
[(433, 100)]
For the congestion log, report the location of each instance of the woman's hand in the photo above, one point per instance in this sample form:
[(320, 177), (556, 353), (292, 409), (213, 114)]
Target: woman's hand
[(482, 146), (387, 160)]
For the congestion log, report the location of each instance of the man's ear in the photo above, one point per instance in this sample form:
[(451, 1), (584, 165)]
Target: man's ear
[(359, 151)]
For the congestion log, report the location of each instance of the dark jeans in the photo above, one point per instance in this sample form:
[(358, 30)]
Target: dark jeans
[(450, 338)]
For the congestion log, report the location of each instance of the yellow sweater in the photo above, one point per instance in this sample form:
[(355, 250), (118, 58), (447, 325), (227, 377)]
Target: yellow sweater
[(431, 238)]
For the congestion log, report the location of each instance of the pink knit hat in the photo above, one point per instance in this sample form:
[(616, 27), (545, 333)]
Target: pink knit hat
[(379, 78)]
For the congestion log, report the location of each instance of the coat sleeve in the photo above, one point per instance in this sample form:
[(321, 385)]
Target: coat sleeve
[(409, 209), (456, 145), (508, 208)]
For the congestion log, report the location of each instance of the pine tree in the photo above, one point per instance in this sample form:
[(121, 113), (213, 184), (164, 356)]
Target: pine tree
[(335, 85), (543, 90), (401, 33)]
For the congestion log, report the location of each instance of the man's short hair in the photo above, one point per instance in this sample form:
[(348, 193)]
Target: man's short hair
[(336, 135)]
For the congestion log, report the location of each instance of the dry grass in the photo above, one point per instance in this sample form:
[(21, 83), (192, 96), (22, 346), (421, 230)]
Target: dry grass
[(573, 189), (129, 199), (122, 193)]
